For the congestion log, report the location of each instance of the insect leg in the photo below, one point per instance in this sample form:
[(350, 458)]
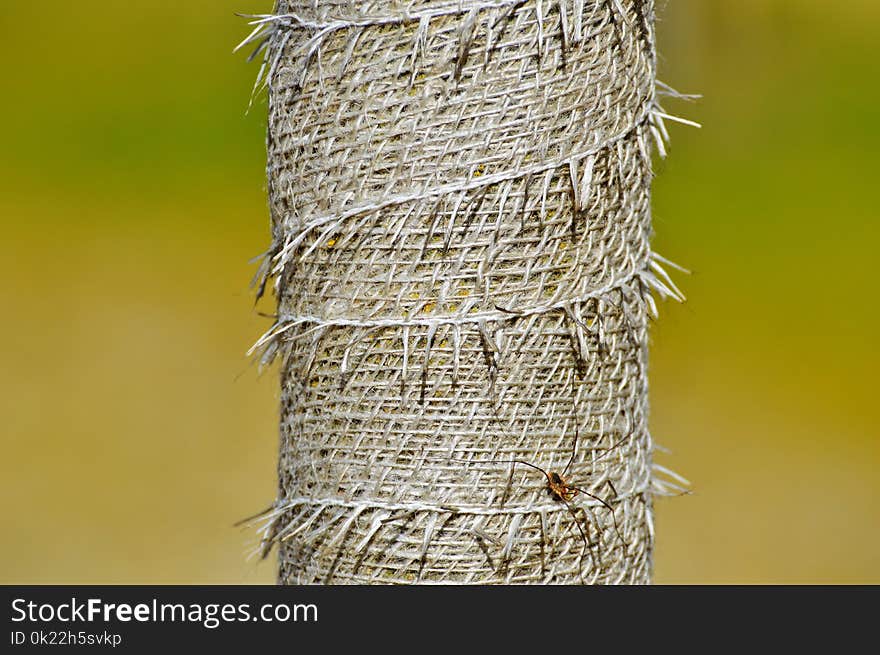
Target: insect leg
[(581, 530), (609, 508), (573, 450)]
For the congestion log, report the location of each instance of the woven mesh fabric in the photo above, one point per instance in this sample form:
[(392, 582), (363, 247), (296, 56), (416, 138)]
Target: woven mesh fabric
[(460, 203)]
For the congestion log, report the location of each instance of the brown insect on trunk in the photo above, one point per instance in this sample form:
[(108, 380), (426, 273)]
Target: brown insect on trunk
[(561, 490)]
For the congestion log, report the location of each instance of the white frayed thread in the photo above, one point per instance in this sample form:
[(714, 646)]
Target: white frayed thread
[(360, 506), (656, 279), (333, 222), (269, 26)]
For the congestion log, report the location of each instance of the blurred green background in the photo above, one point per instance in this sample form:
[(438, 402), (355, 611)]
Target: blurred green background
[(132, 195)]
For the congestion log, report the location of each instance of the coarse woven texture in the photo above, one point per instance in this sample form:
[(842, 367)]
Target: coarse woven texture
[(460, 204)]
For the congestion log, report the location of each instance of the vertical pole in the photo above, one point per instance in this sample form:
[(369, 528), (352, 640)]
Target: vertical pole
[(460, 202)]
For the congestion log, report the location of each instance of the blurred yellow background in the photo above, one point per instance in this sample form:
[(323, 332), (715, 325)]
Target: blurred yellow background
[(132, 194)]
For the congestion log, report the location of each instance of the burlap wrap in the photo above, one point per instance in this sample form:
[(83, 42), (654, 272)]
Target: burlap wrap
[(460, 203)]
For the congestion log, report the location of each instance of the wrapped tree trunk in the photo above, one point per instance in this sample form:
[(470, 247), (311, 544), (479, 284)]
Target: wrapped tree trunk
[(460, 204)]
